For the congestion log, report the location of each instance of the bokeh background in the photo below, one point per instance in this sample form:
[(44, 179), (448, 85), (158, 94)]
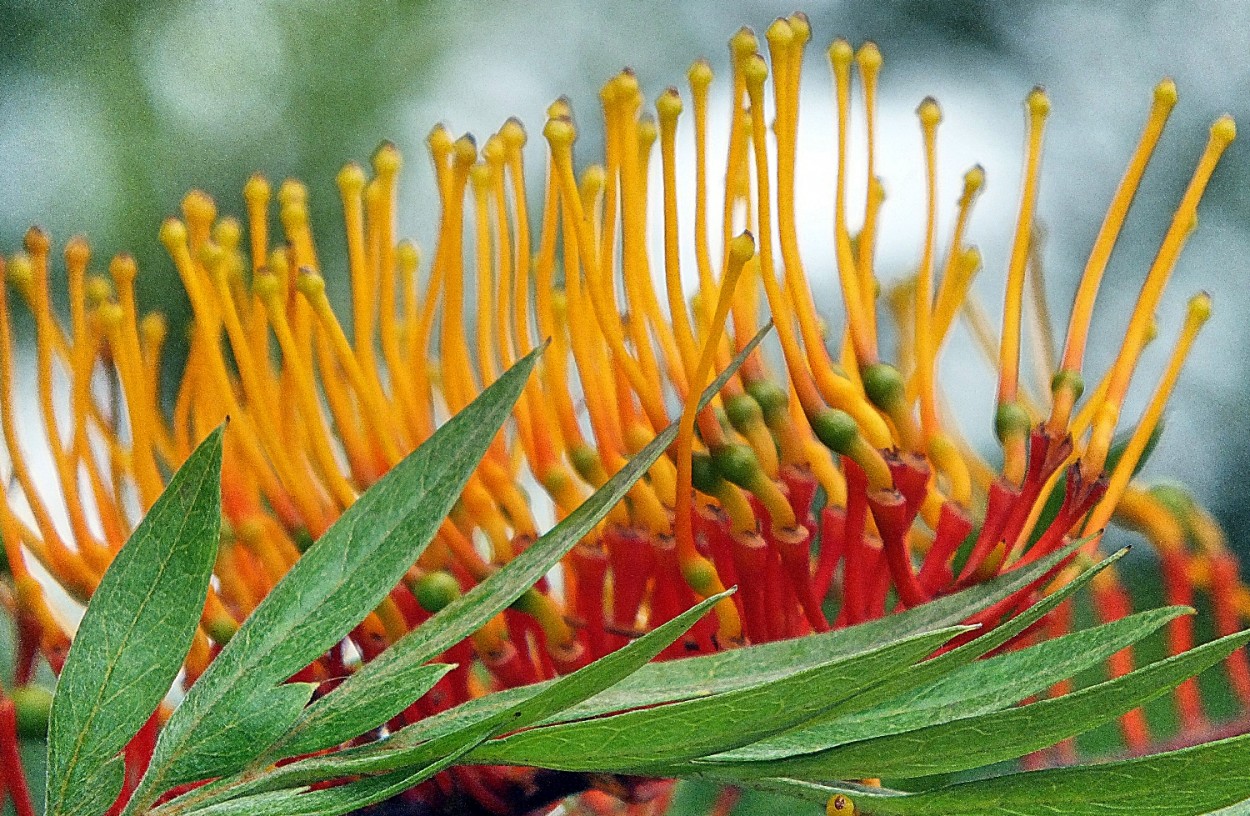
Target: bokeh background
[(110, 110)]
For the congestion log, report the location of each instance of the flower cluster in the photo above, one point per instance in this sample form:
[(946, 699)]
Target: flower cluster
[(832, 487)]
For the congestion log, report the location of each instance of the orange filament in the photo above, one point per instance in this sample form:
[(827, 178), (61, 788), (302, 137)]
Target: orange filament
[(1198, 313), (668, 106), (700, 76), (699, 573), (1038, 106), (868, 59), (857, 301), (836, 390), (930, 116), (1104, 243), (1223, 131), (560, 134)]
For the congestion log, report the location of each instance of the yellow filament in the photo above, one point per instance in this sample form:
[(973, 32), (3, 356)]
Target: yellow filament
[(351, 182), (144, 419), (1197, 315), (1104, 243), (1223, 131), (838, 391), (741, 250), (961, 262), (457, 370), (700, 76), (305, 395), (737, 159), (1038, 106), (480, 176), (868, 58), (857, 301), (755, 72), (560, 136), (930, 116), (668, 106), (153, 330), (47, 333), (312, 287), (65, 564), (386, 165)]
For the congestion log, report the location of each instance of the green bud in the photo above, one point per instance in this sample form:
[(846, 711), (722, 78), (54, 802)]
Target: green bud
[(743, 412), (884, 385), (302, 539), (737, 463), (700, 576), (835, 429), (1069, 381), (585, 460), (770, 397), (1175, 498), (1011, 420), (435, 590), (703, 474), (528, 603), (32, 704)]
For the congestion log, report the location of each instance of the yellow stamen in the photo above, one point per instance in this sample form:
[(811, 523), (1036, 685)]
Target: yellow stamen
[(68, 567), (699, 573), (267, 290), (1197, 315), (1104, 243), (1223, 131), (1010, 432), (868, 58), (857, 301), (700, 76), (560, 135), (668, 106), (930, 116), (1038, 106)]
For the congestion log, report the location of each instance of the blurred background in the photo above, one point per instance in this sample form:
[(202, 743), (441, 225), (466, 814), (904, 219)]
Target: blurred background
[(110, 110)]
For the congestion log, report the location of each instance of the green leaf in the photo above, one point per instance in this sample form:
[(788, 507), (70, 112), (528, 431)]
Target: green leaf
[(984, 740), (551, 698), (971, 742), (704, 675), (655, 736), (471, 611), (1192, 781), (134, 636), (330, 589), (475, 607), (366, 709), (332, 801), (993, 684), (831, 727)]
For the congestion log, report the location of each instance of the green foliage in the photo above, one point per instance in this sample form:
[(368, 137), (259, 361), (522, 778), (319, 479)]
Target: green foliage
[(134, 637), (793, 717)]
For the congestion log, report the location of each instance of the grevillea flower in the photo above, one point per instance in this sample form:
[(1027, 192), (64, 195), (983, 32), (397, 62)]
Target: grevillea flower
[(831, 486)]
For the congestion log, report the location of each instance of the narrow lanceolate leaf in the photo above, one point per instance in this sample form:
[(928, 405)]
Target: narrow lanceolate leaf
[(464, 616), (977, 741), (892, 694), (638, 740), (134, 636), (702, 676), (335, 800), (399, 761), (985, 686), (1190, 782), (240, 705), (368, 708), (472, 610)]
